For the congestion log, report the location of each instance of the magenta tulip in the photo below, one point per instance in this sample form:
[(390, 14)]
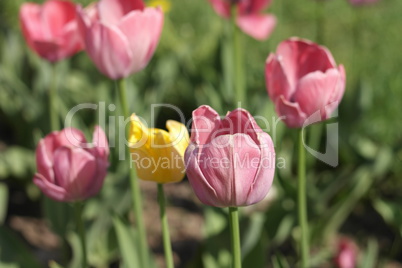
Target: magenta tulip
[(303, 80), (249, 17), (347, 253), (231, 161), (69, 169), (120, 35), (51, 29)]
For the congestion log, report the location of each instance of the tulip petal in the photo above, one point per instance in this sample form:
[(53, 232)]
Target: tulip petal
[(44, 157), (142, 30), (302, 57), (204, 191), (290, 113), (252, 7), (257, 26), (74, 171), (178, 135), (95, 185), (315, 90), (259, 5), (230, 163), (30, 23), (266, 170), (112, 11), (70, 137), (206, 121), (337, 95), (49, 189), (55, 15), (101, 146), (221, 7), (276, 79), (106, 46), (139, 133), (240, 121)]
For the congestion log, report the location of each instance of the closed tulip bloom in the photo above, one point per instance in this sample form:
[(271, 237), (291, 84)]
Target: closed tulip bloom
[(231, 161), (158, 154), (120, 35), (249, 17), (69, 169), (51, 29), (303, 80)]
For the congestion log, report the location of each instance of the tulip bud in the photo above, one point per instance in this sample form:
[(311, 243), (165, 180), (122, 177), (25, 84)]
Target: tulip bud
[(69, 171), (51, 29), (158, 154), (230, 161), (302, 79)]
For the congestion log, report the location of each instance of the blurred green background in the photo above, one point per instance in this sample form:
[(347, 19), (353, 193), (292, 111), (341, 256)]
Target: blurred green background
[(360, 198)]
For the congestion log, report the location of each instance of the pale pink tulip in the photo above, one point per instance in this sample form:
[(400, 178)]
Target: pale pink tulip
[(51, 29), (231, 161), (68, 168), (303, 80), (120, 35), (249, 17)]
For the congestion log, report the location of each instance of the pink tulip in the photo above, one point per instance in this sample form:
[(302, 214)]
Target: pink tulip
[(68, 169), (120, 35), (231, 161), (346, 256), (249, 17), (303, 80), (51, 29)]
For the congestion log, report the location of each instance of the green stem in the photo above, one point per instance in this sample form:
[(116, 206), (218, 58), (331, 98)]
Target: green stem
[(320, 22), (235, 236), (165, 228), (54, 122), (238, 78), (81, 232), (135, 188), (304, 246)]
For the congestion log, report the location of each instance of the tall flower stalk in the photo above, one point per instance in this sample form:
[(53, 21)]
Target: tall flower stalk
[(306, 86), (238, 74), (135, 188), (167, 246), (302, 203)]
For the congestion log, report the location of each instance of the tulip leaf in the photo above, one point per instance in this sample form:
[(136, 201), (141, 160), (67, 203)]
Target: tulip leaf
[(53, 264), (59, 215), (253, 233), (75, 244), (126, 239), (13, 251), (3, 202), (278, 261), (369, 259)]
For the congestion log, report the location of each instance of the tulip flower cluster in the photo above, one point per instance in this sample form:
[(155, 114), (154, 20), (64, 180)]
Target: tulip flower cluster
[(230, 161)]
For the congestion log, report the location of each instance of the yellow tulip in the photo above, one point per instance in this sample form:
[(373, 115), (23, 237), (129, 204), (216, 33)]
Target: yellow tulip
[(158, 154), (164, 4)]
